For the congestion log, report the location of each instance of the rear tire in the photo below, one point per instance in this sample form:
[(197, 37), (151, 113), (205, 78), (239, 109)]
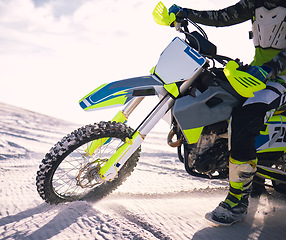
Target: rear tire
[(58, 178)]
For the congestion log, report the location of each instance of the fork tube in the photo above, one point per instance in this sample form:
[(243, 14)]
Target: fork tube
[(158, 112), (131, 106)]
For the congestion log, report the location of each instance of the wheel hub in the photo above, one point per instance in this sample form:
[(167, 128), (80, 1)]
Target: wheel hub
[(89, 176)]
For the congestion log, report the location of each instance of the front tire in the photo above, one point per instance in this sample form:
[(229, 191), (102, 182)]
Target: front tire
[(67, 172)]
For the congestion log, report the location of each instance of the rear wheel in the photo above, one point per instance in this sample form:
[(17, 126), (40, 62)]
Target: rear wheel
[(68, 173)]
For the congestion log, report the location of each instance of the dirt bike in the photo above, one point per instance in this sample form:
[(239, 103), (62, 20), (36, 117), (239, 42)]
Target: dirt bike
[(195, 97)]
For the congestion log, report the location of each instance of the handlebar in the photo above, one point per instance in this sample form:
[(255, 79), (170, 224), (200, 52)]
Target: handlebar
[(197, 40)]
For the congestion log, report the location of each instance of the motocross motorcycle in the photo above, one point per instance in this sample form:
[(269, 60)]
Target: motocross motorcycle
[(196, 98)]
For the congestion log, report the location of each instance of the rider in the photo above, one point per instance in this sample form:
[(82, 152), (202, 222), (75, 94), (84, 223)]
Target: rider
[(269, 36)]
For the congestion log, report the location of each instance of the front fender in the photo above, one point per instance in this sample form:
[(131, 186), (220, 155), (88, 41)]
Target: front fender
[(120, 92)]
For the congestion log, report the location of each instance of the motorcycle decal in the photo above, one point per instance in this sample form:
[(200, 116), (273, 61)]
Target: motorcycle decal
[(115, 99), (172, 89), (193, 135), (242, 82), (260, 141), (195, 55), (274, 137), (117, 93), (152, 71)]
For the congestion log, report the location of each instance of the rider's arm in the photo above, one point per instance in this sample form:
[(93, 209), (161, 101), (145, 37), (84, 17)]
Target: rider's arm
[(278, 63), (238, 13)]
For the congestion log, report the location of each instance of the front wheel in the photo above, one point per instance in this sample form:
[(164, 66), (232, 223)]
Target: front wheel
[(67, 172)]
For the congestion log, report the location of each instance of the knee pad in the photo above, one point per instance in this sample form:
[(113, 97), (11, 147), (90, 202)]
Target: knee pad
[(241, 171)]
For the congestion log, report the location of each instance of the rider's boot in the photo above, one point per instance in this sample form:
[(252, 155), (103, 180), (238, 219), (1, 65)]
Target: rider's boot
[(234, 207)]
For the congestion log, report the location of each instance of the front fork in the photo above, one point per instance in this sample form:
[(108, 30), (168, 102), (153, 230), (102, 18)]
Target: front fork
[(113, 165)]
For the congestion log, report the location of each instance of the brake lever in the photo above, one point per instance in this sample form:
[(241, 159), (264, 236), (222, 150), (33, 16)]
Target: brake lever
[(181, 25)]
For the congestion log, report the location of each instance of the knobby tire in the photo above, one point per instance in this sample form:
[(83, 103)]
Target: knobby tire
[(69, 145)]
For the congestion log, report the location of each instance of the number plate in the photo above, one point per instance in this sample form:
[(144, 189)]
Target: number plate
[(178, 62)]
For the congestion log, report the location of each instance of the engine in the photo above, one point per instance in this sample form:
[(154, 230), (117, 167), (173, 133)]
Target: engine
[(210, 155)]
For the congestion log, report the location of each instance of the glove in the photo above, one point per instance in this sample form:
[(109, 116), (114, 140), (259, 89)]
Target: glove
[(261, 73), (178, 11)]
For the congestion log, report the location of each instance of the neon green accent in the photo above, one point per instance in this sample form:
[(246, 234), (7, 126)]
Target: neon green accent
[(193, 135), (120, 93), (119, 117), (253, 162), (242, 82), (266, 132), (276, 119), (120, 100), (116, 157), (267, 170), (266, 176), (161, 15), (172, 88), (238, 186), (101, 86), (278, 149), (95, 145), (265, 55), (152, 71), (129, 141), (263, 72), (230, 203)]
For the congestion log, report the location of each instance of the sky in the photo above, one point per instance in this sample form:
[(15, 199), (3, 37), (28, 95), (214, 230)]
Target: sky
[(54, 52)]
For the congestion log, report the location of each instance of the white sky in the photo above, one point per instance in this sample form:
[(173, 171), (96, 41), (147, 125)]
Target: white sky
[(54, 52)]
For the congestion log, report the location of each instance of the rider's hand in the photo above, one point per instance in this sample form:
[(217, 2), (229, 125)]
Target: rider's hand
[(178, 11), (261, 73)]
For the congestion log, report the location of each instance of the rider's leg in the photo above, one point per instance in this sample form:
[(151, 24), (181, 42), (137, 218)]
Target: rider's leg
[(246, 123), (240, 182), (245, 126)]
